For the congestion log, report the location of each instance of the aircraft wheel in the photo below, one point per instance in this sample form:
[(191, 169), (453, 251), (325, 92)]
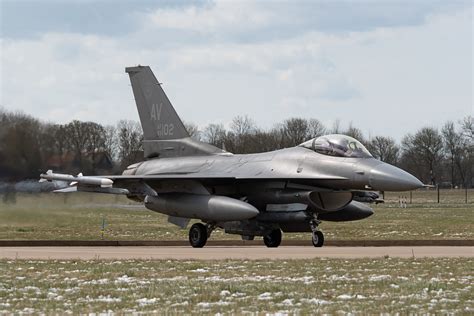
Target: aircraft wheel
[(198, 235), (273, 239), (318, 239)]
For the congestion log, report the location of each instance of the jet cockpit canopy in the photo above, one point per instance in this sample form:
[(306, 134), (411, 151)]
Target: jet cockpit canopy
[(337, 145)]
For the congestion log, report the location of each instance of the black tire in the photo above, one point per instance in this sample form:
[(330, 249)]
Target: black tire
[(273, 239), (198, 235), (318, 239)]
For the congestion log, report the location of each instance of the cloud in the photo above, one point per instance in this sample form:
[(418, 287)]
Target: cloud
[(221, 16), (223, 59), (254, 21), (31, 19)]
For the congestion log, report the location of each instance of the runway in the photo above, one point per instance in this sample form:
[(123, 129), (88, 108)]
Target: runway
[(221, 253)]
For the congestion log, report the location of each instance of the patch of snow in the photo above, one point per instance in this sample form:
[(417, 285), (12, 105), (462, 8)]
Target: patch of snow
[(108, 299), (203, 304), (185, 303), (375, 278), (314, 301), (147, 301), (30, 288), (265, 296), (124, 279), (58, 298), (238, 294), (288, 302)]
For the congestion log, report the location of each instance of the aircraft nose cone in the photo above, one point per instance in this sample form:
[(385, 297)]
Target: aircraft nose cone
[(385, 177)]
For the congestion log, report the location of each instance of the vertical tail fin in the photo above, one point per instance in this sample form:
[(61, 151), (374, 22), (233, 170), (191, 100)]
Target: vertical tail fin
[(158, 117), (163, 130)]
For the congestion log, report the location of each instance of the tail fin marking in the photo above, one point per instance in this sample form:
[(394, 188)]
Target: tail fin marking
[(158, 117)]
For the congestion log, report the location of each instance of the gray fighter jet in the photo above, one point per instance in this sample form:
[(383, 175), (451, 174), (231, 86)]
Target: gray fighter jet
[(289, 190)]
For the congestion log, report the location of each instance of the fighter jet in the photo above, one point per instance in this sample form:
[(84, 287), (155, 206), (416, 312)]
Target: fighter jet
[(290, 190)]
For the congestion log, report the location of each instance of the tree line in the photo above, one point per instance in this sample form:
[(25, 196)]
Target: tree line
[(439, 156)]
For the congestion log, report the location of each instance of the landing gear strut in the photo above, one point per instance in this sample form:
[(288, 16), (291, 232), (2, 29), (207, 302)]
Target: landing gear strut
[(318, 237), (199, 233), (273, 239)]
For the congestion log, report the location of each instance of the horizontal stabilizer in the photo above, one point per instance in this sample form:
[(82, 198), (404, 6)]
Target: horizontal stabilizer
[(66, 190), (92, 189), (95, 189)]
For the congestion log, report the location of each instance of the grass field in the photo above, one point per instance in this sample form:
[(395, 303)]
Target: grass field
[(79, 216), (367, 286)]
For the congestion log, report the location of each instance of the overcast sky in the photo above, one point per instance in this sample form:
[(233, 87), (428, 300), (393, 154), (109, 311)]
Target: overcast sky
[(389, 67)]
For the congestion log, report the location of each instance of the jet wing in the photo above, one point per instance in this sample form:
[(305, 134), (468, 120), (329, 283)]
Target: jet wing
[(199, 176), (129, 184)]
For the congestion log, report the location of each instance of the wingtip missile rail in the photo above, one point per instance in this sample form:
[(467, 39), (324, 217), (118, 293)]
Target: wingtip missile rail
[(79, 179)]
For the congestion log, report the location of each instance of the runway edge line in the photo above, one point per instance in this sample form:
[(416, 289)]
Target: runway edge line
[(229, 243)]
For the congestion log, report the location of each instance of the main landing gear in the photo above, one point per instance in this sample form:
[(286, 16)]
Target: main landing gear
[(273, 239), (318, 237), (199, 233)]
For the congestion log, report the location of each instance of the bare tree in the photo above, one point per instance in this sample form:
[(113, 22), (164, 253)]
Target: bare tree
[(242, 125), (295, 131), (384, 149), (20, 151), (423, 152), (240, 138), (336, 127), (315, 128), (77, 135), (95, 143), (130, 137), (453, 143), (467, 126), (355, 132), (215, 134), (47, 140), (268, 141), (111, 145), (193, 130), (26, 144), (60, 136), (466, 158)]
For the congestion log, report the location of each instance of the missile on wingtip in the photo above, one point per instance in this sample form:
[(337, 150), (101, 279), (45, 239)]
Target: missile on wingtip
[(50, 176)]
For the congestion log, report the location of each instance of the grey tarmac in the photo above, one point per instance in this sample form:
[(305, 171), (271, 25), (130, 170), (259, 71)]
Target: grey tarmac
[(222, 253)]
